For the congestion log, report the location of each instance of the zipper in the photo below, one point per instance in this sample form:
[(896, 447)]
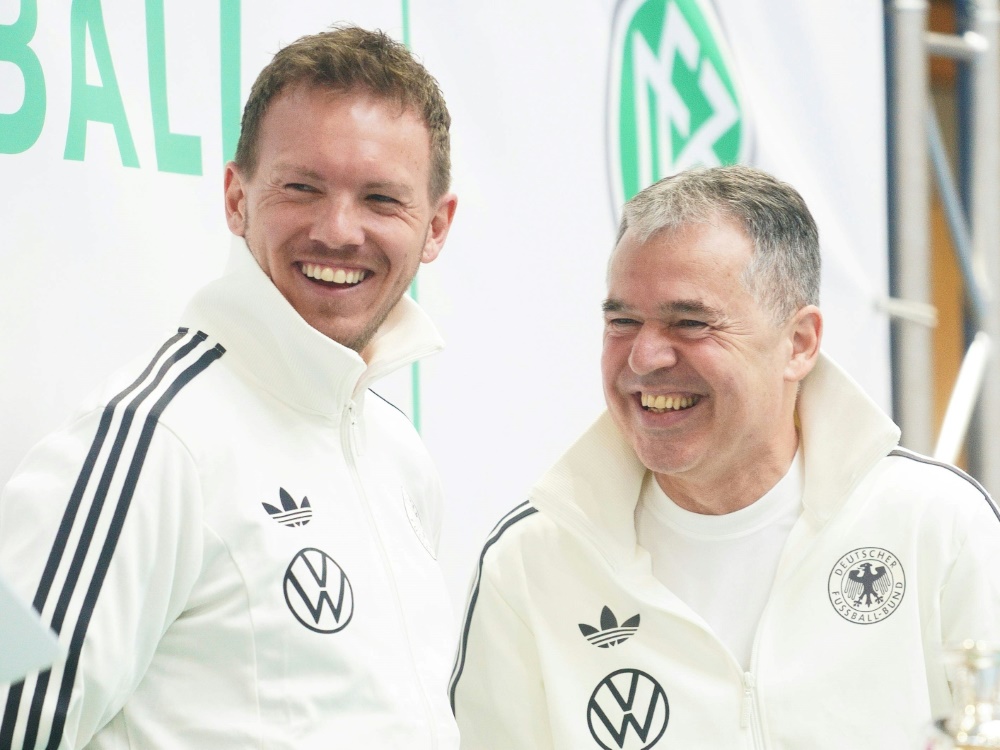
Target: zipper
[(747, 710), (749, 715), (352, 441), (354, 450)]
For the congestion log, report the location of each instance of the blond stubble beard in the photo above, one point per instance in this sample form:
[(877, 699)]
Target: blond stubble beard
[(361, 341)]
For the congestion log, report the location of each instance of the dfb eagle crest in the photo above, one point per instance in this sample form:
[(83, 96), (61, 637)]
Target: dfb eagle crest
[(867, 585)]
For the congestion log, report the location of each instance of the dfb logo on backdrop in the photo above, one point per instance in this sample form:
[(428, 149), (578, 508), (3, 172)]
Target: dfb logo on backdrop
[(672, 97), (628, 711)]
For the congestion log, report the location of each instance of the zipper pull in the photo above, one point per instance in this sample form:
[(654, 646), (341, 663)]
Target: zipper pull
[(352, 415), (748, 684)]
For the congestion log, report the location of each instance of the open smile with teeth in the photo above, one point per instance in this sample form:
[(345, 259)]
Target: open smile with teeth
[(336, 275), (661, 404)]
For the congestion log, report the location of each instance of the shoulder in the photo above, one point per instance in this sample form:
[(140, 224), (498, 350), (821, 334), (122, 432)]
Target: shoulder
[(379, 408), (922, 476), (517, 543), (513, 528), (157, 378), (942, 499), (119, 424), (392, 433)]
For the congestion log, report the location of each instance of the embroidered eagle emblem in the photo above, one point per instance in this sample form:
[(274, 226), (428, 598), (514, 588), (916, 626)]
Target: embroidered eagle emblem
[(865, 584)]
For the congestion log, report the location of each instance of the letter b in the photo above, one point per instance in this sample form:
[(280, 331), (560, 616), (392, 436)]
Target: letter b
[(19, 130)]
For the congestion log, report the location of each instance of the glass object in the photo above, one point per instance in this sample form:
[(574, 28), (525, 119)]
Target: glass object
[(974, 673)]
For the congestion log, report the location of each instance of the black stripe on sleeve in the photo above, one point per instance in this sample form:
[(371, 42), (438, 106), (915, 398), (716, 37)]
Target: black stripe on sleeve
[(114, 533), (75, 503), (66, 526), (904, 453), (91, 521), (519, 513)]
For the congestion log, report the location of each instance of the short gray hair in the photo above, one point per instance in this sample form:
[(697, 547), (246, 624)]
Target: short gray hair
[(784, 272)]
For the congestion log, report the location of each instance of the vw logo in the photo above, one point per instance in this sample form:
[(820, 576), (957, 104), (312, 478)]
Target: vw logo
[(318, 592), (628, 711)]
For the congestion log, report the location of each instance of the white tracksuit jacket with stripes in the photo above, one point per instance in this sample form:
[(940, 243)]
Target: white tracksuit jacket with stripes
[(235, 542), (570, 643)]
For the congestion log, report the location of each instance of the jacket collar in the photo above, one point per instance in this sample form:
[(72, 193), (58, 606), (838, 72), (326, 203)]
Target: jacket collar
[(593, 489), (844, 434), (270, 342)]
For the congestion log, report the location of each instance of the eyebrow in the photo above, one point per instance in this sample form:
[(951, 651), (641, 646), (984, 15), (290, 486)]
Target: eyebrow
[(298, 170), (683, 306), (401, 189)]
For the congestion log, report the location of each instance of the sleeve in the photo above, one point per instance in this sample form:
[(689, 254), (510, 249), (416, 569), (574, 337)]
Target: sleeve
[(497, 691), (100, 529), (970, 597), (967, 602)]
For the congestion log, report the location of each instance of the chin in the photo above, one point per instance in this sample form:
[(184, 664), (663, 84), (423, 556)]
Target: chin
[(660, 461)]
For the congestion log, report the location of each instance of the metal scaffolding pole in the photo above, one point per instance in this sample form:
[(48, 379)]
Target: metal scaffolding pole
[(985, 219), (909, 176)]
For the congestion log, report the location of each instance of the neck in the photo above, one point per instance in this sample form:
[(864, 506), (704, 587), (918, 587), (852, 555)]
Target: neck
[(733, 490)]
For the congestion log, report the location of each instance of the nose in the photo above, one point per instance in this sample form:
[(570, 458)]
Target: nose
[(652, 350), (338, 223)]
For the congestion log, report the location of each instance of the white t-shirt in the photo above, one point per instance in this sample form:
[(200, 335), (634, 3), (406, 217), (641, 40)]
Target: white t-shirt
[(721, 566)]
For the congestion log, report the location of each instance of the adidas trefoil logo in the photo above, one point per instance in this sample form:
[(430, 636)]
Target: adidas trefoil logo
[(290, 514), (610, 633)]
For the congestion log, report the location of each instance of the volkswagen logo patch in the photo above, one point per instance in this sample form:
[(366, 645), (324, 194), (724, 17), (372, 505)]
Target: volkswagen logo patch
[(318, 592), (628, 711)]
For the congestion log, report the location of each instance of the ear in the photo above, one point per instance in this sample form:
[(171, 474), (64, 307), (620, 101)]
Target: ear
[(805, 331), (437, 232), (236, 210)]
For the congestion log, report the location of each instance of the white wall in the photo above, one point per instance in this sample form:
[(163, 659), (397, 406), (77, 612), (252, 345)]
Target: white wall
[(98, 258)]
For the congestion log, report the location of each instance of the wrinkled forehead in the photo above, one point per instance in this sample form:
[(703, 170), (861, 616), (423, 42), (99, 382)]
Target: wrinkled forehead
[(665, 239)]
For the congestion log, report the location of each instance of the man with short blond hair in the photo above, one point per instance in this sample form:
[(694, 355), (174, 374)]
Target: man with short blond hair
[(236, 539), (737, 554)]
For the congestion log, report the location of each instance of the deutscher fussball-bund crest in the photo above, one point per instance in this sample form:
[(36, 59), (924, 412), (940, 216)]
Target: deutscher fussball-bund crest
[(867, 585)]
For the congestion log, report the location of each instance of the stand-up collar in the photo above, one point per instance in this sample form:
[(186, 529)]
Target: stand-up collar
[(266, 338), (844, 434), (593, 489)]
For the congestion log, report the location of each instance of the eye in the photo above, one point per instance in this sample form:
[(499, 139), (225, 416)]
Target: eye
[(377, 198), (691, 324), (620, 322), (300, 187)]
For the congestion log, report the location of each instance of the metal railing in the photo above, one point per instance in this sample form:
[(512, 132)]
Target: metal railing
[(915, 146)]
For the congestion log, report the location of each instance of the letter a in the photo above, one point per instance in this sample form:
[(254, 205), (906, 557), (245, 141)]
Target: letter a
[(94, 103)]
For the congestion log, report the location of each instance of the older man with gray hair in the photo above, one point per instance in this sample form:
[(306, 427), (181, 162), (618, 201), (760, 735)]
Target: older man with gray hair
[(738, 553)]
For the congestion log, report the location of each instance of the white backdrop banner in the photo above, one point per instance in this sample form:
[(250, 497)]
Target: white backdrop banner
[(116, 120)]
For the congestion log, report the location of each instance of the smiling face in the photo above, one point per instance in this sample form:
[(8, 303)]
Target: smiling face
[(338, 212), (697, 376)]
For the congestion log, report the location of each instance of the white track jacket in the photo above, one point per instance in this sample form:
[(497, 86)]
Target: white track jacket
[(236, 544), (571, 643)]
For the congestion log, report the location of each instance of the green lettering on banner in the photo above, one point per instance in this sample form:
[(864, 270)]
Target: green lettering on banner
[(230, 42), (94, 103), (19, 130), (180, 154)]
